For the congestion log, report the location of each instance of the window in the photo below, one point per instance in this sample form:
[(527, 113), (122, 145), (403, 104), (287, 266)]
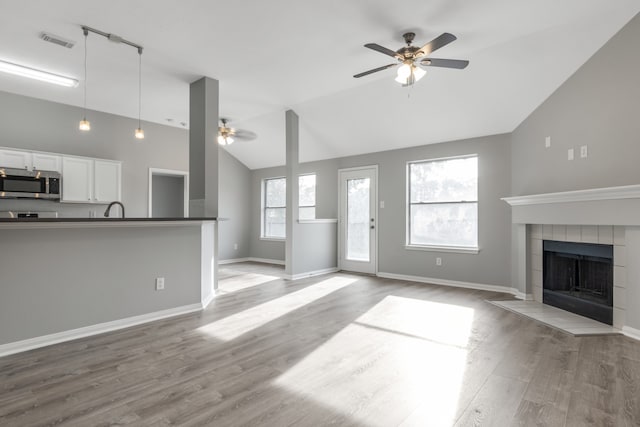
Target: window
[(307, 196), (275, 204), (443, 203)]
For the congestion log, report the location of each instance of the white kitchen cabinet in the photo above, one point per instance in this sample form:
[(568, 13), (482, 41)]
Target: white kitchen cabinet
[(106, 183), (77, 179), (47, 162), (15, 159)]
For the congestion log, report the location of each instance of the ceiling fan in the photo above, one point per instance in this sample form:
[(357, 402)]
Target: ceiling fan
[(227, 134), (409, 72)]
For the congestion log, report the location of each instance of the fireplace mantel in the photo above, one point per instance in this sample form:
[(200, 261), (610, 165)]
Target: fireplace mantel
[(592, 194), (596, 206)]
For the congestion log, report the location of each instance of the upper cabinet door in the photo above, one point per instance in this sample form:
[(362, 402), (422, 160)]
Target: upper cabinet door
[(77, 179), (47, 162), (107, 181), (15, 159)]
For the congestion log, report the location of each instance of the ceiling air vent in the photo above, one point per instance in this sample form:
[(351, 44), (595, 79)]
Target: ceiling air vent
[(51, 38)]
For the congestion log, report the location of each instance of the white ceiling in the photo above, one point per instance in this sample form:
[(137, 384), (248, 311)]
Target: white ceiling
[(270, 56)]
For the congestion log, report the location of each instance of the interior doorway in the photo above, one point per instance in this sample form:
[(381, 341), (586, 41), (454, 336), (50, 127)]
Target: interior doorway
[(168, 193)]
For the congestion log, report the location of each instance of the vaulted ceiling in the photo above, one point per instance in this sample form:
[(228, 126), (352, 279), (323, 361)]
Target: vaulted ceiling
[(270, 56)]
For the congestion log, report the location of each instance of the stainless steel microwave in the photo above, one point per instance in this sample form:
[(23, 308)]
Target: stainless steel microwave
[(26, 184)]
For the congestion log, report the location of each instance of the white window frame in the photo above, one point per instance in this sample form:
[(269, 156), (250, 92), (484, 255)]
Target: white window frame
[(263, 207), (438, 248)]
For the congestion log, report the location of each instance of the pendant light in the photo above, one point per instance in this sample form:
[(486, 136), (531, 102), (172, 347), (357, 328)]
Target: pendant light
[(84, 123), (139, 133)]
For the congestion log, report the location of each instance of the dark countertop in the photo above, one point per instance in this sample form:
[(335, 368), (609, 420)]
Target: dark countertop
[(103, 219)]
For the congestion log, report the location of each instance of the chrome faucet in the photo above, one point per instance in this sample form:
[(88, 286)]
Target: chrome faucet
[(106, 212)]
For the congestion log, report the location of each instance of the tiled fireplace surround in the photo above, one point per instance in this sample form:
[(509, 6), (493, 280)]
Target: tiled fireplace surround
[(603, 215), (603, 234)]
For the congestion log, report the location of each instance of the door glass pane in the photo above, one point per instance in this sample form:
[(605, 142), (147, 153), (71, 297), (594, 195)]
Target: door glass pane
[(358, 219)]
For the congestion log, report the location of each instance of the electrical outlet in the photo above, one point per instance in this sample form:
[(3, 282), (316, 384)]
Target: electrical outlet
[(570, 154), (547, 142), (235, 246), (159, 283), (438, 261), (584, 152)]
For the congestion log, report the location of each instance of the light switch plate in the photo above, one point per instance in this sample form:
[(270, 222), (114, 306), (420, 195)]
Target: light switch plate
[(584, 152), (570, 154), (547, 142)]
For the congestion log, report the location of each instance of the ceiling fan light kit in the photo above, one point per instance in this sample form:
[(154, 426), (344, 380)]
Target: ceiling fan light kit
[(409, 72), (226, 133)]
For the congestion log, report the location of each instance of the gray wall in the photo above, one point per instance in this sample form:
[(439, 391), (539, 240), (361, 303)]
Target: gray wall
[(491, 266), (234, 207), (168, 196), (86, 276), (35, 124), (598, 106)]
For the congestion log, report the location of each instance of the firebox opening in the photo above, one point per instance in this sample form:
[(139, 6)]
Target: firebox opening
[(578, 277)]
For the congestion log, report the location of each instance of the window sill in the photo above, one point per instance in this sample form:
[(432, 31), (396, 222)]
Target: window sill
[(273, 239), (452, 249)]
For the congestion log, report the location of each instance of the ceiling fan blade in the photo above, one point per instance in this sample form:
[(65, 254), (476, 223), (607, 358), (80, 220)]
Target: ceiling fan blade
[(435, 44), (446, 63), (375, 70), (245, 134), (383, 49)]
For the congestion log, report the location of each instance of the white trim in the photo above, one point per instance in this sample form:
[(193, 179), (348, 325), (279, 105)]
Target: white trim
[(631, 332), (521, 295), (310, 273), (446, 282), (266, 260), (100, 328), (452, 249), (318, 221), (205, 303), (274, 239), (232, 261), (607, 193), (251, 259), (169, 172)]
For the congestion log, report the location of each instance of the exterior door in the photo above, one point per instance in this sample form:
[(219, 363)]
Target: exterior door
[(358, 220)]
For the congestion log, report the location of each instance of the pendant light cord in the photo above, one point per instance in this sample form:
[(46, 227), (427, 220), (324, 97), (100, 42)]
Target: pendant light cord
[(139, 87), (86, 34)]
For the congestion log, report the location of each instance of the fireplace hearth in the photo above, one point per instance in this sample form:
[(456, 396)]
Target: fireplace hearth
[(578, 277)]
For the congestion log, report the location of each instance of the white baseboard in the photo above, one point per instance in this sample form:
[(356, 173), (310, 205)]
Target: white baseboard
[(232, 261), (251, 259), (100, 328), (205, 303), (266, 260), (310, 273), (446, 282), (520, 295), (631, 332)]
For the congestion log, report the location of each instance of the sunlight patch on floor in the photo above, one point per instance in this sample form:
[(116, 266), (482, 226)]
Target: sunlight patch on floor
[(244, 281), (245, 321), (400, 356)]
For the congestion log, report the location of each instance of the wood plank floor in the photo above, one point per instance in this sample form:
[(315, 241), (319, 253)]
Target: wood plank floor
[(340, 349)]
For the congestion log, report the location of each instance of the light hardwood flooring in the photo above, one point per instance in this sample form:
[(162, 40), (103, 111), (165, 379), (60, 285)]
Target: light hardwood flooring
[(340, 349)]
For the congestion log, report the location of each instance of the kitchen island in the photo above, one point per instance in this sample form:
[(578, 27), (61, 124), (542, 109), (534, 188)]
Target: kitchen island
[(65, 278)]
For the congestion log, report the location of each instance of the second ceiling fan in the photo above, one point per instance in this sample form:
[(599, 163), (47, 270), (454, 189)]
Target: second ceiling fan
[(409, 56)]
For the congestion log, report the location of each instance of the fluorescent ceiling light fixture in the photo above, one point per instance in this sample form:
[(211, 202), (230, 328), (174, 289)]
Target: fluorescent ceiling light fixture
[(32, 73)]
